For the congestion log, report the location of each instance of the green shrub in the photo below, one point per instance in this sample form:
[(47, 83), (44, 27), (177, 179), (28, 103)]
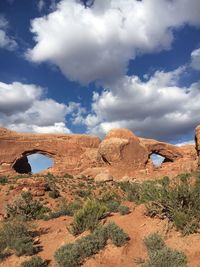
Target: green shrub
[(16, 236), (162, 256), (69, 176), (74, 254), (3, 180), (54, 194), (35, 261), (143, 192), (83, 193), (179, 202), (116, 234), (111, 201), (123, 210), (26, 208), (88, 217), (154, 242)]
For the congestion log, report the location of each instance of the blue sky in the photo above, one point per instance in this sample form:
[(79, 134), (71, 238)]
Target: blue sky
[(68, 68)]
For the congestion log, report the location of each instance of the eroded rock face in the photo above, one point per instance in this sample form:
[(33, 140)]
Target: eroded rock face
[(122, 147), (197, 143), (65, 150), (120, 154)]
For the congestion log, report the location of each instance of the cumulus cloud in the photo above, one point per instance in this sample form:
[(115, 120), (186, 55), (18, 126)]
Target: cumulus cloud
[(96, 43), (5, 41), (195, 57), (24, 108), (157, 107)]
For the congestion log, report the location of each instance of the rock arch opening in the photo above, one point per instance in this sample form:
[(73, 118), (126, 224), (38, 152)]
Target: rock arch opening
[(158, 160), (33, 162)]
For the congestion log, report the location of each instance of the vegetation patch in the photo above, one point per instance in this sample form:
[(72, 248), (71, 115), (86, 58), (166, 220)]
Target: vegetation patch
[(179, 201), (35, 261), (123, 210), (88, 217), (74, 254), (3, 180), (162, 256), (25, 207), (17, 237)]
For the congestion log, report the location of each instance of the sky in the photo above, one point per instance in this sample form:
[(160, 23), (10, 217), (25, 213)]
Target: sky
[(72, 66)]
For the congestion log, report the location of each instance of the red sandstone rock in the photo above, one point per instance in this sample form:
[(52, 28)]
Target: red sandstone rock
[(103, 177), (121, 147), (197, 143), (121, 153)]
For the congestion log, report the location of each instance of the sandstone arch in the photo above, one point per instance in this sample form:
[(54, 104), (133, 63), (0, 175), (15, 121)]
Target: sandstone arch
[(22, 165), (121, 153), (66, 150), (168, 151)]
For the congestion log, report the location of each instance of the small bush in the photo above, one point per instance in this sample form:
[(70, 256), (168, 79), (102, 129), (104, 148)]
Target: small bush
[(83, 193), (154, 242), (3, 180), (162, 256), (111, 201), (35, 261), (16, 236), (143, 192), (123, 210), (74, 254), (179, 202), (26, 208), (69, 176), (88, 217), (54, 194), (116, 234)]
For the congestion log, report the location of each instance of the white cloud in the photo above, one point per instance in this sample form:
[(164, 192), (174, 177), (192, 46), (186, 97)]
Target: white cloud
[(157, 108), (41, 5), (17, 97), (24, 108), (5, 41), (195, 56), (188, 142), (96, 43)]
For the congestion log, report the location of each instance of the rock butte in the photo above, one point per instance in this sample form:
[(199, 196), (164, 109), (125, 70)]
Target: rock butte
[(120, 154)]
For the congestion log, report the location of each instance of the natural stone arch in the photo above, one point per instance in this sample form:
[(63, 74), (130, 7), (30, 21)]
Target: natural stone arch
[(170, 152), (21, 164)]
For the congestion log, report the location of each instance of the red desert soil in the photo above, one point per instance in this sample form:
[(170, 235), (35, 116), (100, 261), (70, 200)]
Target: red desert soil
[(136, 224)]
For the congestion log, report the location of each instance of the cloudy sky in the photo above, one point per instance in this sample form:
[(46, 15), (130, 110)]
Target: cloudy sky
[(75, 66)]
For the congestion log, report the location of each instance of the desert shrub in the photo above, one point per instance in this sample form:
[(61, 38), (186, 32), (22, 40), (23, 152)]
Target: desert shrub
[(144, 192), (35, 261), (54, 194), (69, 176), (16, 236), (3, 180), (179, 202), (88, 217), (123, 210), (74, 254), (26, 208), (154, 242), (83, 193), (64, 209), (111, 201), (116, 234), (162, 256)]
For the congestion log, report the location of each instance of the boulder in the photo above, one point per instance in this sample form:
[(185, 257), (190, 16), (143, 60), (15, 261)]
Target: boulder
[(103, 177), (121, 147)]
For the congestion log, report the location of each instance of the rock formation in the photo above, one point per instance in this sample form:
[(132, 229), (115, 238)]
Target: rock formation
[(120, 154), (197, 143)]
